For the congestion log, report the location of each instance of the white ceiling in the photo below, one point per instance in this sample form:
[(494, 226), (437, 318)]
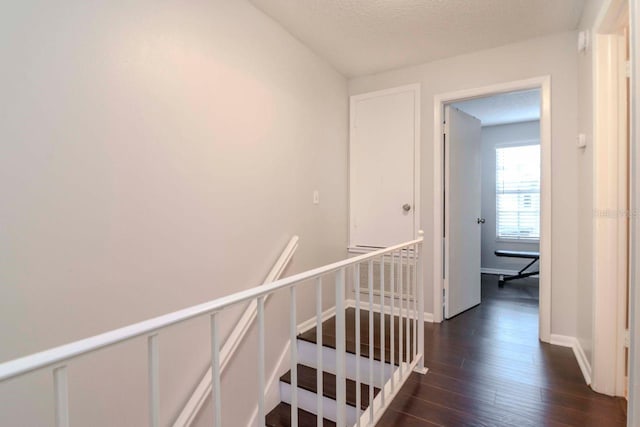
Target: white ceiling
[(513, 107), (366, 36)]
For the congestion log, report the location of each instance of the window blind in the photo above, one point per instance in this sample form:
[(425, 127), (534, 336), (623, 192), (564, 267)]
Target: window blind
[(518, 192)]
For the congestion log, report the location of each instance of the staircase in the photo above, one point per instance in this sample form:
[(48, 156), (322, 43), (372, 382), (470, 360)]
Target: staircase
[(360, 373), (306, 344)]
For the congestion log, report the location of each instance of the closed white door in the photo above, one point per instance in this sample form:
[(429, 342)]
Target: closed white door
[(462, 211), (382, 167)]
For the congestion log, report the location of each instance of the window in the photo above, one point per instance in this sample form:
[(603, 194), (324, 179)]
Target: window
[(518, 192)]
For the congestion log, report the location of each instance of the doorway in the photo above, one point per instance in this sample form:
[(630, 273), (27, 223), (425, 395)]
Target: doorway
[(492, 197), (446, 259)]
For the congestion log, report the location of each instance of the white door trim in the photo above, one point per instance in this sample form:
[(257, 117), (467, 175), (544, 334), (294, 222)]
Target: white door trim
[(544, 84), (610, 203), (634, 307), (415, 88)]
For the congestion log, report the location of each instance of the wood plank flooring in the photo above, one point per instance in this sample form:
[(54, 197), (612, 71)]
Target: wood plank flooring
[(487, 368)]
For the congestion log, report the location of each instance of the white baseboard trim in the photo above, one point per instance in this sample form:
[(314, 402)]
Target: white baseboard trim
[(272, 392), (498, 271), (578, 351), (583, 362)]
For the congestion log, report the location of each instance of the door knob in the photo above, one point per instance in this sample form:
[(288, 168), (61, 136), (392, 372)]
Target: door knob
[(480, 220), (406, 207)]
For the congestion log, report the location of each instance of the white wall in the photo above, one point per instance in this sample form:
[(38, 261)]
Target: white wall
[(155, 155), (554, 55), (492, 136)]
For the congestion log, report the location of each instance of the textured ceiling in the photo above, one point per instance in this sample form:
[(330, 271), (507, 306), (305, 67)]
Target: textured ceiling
[(505, 108), (366, 36)]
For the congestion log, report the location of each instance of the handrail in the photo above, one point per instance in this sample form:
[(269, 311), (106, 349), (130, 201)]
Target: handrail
[(199, 395), (23, 365)]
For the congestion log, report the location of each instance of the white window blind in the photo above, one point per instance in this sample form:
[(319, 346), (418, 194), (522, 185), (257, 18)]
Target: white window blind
[(518, 192)]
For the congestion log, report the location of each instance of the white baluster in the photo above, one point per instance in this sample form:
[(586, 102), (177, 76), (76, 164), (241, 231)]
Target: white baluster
[(415, 300), (341, 391), (392, 325), (320, 369), (408, 308), (356, 272), (420, 296), (216, 394), (371, 350), (382, 343), (401, 326), (294, 358), (61, 395), (261, 382), (154, 386), (409, 304)]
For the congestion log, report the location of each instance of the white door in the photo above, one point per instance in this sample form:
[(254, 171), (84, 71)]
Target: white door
[(382, 167), (462, 211)]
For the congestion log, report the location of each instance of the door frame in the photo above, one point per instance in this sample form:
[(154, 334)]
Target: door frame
[(610, 201), (415, 88), (544, 84), (634, 306)]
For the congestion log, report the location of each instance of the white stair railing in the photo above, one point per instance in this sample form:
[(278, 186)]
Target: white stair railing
[(404, 259)]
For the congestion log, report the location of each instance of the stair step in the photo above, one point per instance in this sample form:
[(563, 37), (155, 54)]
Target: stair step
[(280, 416), (307, 380), (329, 337)]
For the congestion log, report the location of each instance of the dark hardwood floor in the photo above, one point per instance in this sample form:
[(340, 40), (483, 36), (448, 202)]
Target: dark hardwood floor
[(487, 368)]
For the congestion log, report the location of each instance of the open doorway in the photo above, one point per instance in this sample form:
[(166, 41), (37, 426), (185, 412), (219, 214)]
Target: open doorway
[(494, 177), (492, 170)]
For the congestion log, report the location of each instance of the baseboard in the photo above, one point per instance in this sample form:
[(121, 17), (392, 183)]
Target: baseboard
[(578, 351), (563, 340), (272, 392), (583, 362), (498, 271)]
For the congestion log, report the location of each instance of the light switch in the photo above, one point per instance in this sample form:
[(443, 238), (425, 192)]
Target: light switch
[(582, 140), (316, 197)]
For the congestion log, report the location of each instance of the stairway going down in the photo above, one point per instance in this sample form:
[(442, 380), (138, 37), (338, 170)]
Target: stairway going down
[(306, 343)]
